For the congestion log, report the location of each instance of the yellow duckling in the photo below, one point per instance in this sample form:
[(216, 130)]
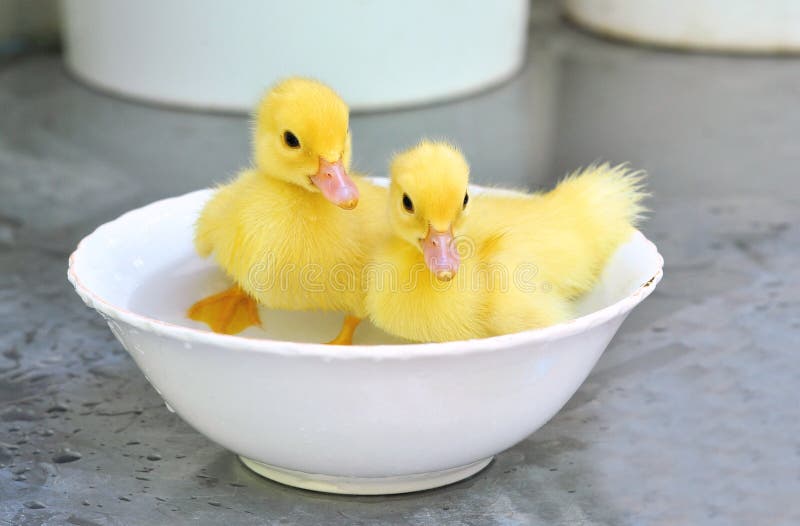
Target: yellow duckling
[(459, 266), (287, 231)]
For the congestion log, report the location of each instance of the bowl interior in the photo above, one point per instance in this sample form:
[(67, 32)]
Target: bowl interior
[(144, 263)]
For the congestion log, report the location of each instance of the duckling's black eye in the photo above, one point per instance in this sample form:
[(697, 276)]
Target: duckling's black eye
[(407, 204), (291, 139), (466, 200)]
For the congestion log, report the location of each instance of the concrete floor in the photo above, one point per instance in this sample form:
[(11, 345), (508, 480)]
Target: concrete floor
[(689, 418)]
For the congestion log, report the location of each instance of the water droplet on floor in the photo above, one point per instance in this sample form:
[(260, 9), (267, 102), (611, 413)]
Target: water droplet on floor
[(81, 521), (12, 354), (154, 457), (16, 414), (65, 455), (34, 505)]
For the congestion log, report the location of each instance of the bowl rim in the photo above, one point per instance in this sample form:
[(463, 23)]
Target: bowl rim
[(357, 351)]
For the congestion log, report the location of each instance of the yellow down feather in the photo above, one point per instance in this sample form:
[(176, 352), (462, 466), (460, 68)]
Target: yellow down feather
[(272, 231)]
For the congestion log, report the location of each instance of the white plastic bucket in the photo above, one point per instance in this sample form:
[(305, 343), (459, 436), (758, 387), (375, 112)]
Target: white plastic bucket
[(222, 55), (766, 26)]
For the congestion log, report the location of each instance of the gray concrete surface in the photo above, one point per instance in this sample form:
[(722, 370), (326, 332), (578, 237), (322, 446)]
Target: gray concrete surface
[(691, 416)]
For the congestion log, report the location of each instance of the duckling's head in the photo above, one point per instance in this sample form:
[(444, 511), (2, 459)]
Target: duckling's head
[(302, 136), (428, 196)]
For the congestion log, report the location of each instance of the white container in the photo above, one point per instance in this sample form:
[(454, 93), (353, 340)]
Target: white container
[(222, 55), (766, 26), (364, 419)]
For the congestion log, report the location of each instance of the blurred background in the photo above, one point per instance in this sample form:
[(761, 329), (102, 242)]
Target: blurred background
[(107, 105)]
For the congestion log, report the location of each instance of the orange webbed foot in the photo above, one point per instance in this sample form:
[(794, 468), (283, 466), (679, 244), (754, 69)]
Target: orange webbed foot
[(228, 312), (345, 336)]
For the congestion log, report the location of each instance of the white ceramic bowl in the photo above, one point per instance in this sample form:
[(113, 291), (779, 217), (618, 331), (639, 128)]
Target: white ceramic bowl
[(378, 417)]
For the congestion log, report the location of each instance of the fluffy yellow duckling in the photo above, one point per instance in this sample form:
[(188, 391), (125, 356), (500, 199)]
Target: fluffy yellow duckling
[(288, 231), (459, 266)]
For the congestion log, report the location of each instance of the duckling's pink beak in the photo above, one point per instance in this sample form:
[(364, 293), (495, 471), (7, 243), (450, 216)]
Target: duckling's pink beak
[(334, 183), (440, 253)]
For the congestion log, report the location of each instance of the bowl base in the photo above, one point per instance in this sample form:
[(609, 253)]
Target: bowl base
[(365, 485)]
